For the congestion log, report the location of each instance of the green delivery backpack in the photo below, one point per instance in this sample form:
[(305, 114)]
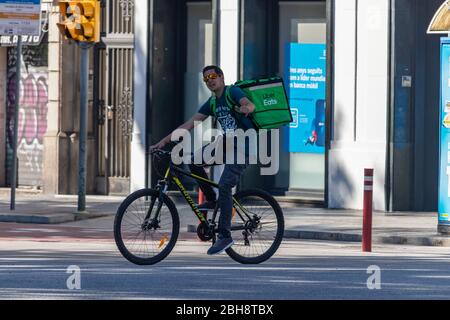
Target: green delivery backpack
[(270, 99)]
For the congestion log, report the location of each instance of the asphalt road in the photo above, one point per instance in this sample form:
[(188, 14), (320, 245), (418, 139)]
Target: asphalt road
[(37, 268)]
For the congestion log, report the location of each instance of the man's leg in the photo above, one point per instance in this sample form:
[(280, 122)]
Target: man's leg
[(208, 191), (229, 179)]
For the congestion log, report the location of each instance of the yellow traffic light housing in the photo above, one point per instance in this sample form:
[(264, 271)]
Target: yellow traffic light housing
[(90, 12), (80, 20), (68, 26)]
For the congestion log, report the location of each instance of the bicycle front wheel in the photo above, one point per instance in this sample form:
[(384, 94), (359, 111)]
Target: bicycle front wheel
[(143, 236), (258, 237)]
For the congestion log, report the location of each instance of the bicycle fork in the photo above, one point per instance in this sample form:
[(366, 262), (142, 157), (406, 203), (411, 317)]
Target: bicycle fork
[(153, 223)]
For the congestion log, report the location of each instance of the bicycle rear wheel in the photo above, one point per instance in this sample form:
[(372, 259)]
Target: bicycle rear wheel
[(263, 231), (145, 243)]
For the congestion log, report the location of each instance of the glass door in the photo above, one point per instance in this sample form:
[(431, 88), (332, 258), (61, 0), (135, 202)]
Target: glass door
[(302, 62)]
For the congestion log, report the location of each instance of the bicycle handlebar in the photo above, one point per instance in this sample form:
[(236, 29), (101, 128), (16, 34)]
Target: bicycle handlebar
[(159, 152)]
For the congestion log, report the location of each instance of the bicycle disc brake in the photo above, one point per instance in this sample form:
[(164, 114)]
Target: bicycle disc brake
[(251, 227)]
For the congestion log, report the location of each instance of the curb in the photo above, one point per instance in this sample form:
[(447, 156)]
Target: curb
[(289, 202), (6, 192), (322, 235), (53, 219), (430, 241), (307, 235)]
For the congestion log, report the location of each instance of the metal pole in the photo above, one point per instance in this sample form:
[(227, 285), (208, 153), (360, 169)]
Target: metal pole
[(82, 163), (16, 125)]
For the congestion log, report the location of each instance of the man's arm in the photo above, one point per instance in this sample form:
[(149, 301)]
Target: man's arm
[(188, 125), (247, 106)]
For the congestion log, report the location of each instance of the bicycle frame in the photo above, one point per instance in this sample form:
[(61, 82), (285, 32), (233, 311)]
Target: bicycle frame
[(170, 176)]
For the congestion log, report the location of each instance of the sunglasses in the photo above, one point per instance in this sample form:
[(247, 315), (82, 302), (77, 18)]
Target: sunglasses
[(210, 76)]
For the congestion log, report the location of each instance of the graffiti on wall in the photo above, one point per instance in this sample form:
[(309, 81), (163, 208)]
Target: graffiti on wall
[(32, 116)]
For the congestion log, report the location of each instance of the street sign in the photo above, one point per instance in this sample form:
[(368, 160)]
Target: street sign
[(11, 41), (20, 17)]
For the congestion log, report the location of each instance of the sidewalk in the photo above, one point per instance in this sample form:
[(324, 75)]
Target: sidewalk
[(301, 222), (33, 207)]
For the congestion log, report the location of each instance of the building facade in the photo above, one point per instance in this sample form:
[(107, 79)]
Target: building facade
[(382, 93), (386, 104), (379, 109), (49, 104), (33, 104)]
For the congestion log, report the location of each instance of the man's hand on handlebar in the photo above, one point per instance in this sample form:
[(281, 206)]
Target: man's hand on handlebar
[(159, 145)]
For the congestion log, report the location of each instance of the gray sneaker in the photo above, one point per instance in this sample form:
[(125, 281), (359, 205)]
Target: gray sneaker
[(220, 246)]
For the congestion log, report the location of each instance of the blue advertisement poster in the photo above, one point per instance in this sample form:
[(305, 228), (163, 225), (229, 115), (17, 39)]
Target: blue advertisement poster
[(444, 170), (305, 76)]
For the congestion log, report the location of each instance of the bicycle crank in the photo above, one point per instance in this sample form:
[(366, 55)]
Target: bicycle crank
[(204, 233)]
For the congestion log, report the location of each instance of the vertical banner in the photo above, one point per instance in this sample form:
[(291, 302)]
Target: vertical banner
[(305, 70), (444, 170)]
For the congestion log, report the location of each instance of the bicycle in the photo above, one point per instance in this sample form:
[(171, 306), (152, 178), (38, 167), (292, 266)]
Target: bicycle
[(147, 224)]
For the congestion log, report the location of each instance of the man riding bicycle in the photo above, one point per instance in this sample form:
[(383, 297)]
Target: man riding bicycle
[(230, 120)]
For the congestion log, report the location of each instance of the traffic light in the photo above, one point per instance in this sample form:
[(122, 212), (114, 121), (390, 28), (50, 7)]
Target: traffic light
[(80, 20)]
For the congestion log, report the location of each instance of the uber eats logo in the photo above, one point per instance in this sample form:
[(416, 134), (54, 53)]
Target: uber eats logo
[(269, 99)]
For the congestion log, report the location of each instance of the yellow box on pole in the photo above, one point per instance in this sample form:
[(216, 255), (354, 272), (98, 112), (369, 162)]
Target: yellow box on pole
[(80, 20)]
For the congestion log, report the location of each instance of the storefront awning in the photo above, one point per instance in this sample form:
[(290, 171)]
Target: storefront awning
[(441, 20)]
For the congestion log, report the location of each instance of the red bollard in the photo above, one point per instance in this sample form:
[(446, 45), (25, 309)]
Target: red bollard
[(201, 196), (367, 211), (201, 200)]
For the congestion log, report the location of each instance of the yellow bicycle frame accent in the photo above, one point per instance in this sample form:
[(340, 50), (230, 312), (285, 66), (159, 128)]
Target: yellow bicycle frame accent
[(188, 198)]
